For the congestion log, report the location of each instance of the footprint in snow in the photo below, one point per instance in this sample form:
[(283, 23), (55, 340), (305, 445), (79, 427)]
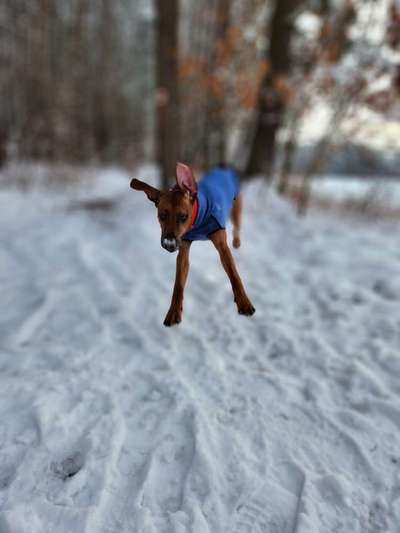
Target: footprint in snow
[(7, 476), (273, 509), (68, 467), (235, 408), (171, 460), (384, 290)]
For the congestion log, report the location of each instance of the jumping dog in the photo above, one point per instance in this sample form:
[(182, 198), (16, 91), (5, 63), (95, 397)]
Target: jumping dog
[(189, 212)]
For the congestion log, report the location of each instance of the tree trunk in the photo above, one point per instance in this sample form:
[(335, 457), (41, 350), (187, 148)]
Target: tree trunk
[(216, 104), (102, 94), (168, 134), (271, 104), (79, 86)]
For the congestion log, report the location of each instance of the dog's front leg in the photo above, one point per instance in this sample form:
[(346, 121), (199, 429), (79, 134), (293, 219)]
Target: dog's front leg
[(174, 315), (243, 303)]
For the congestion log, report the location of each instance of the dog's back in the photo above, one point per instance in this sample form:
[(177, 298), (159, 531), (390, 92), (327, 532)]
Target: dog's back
[(220, 186)]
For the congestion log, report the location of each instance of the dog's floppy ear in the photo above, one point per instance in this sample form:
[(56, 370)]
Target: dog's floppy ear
[(152, 193), (185, 179)]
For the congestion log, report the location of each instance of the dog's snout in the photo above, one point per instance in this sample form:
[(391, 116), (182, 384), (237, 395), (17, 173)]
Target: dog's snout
[(169, 243)]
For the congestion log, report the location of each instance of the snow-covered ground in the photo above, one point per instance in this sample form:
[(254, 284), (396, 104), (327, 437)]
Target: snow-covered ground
[(285, 422), (384, 193)]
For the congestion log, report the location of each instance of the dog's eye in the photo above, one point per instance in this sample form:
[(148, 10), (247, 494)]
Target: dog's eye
[(182, 218), (163, 216)]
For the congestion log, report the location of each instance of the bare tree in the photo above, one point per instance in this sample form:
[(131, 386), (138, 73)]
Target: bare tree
[(271, 101), (216, 108), (69, 88), (168, 127)]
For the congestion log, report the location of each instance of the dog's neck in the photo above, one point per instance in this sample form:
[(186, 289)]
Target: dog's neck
[(194, 212)]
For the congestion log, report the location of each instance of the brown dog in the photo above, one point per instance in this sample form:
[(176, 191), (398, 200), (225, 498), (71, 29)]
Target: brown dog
[(190, 212)]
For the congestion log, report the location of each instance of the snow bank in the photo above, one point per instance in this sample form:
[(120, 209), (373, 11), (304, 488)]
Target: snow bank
[(343, 188)]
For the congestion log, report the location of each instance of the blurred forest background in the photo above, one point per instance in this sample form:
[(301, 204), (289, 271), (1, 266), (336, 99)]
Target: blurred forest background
[(283, 88)]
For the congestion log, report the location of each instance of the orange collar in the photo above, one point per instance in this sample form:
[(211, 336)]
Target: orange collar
[(194, 213)]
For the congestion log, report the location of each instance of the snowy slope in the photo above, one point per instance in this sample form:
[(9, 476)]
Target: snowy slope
[(288, 421)]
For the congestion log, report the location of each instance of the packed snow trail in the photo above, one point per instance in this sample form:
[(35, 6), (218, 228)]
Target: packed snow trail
[(285, 422)]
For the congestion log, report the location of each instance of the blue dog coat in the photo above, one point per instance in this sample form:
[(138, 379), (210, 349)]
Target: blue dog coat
[(216, 192)]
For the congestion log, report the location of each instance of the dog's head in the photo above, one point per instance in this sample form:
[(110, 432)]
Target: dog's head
[(174, 207)]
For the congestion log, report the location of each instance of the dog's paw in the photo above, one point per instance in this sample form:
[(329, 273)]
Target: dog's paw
[(245, 307), (236, 242), (174, 316)]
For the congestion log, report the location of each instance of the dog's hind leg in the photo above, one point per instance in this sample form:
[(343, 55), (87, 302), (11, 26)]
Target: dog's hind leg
[(243, 303), (236, 218)]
